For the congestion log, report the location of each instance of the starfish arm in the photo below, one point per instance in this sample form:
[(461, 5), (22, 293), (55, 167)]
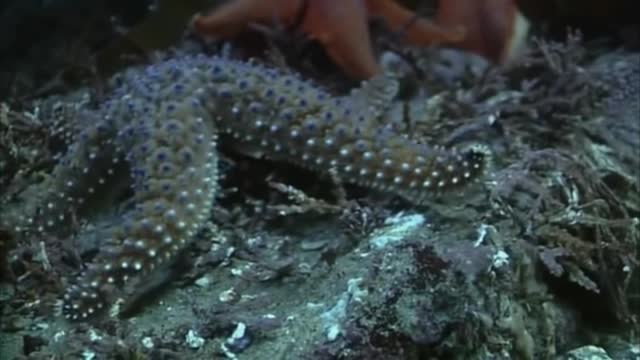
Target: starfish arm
[(341, 27), (232, 17), (489, 24), (416, 30)]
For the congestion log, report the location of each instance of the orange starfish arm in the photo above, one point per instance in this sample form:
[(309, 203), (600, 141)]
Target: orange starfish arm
[(494, 29), (414, 29), (491, 25), (341, 27), (233, 16)]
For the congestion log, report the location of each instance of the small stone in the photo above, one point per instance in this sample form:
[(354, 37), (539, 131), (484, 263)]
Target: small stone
[(333, 331), (397, 228), (193, 340), (239, 339), (229, 296), (203, 282), (588, 352), (147, 342), (313, 245)]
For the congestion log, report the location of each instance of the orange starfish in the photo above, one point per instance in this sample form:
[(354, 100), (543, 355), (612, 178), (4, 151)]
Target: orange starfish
[(495, 29), (341, 25)]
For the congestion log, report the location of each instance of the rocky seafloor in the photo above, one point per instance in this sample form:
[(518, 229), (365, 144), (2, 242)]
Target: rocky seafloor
[(538, 260)]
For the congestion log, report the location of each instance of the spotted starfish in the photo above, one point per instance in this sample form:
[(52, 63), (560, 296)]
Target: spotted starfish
[(491, 28), (157, 132)]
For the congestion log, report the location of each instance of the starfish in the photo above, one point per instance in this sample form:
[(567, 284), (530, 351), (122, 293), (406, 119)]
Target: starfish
[(157, 133), (339, 25), (494, 29)]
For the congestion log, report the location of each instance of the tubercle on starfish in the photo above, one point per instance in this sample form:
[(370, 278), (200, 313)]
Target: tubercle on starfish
[(490, 28), (157, 132)]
